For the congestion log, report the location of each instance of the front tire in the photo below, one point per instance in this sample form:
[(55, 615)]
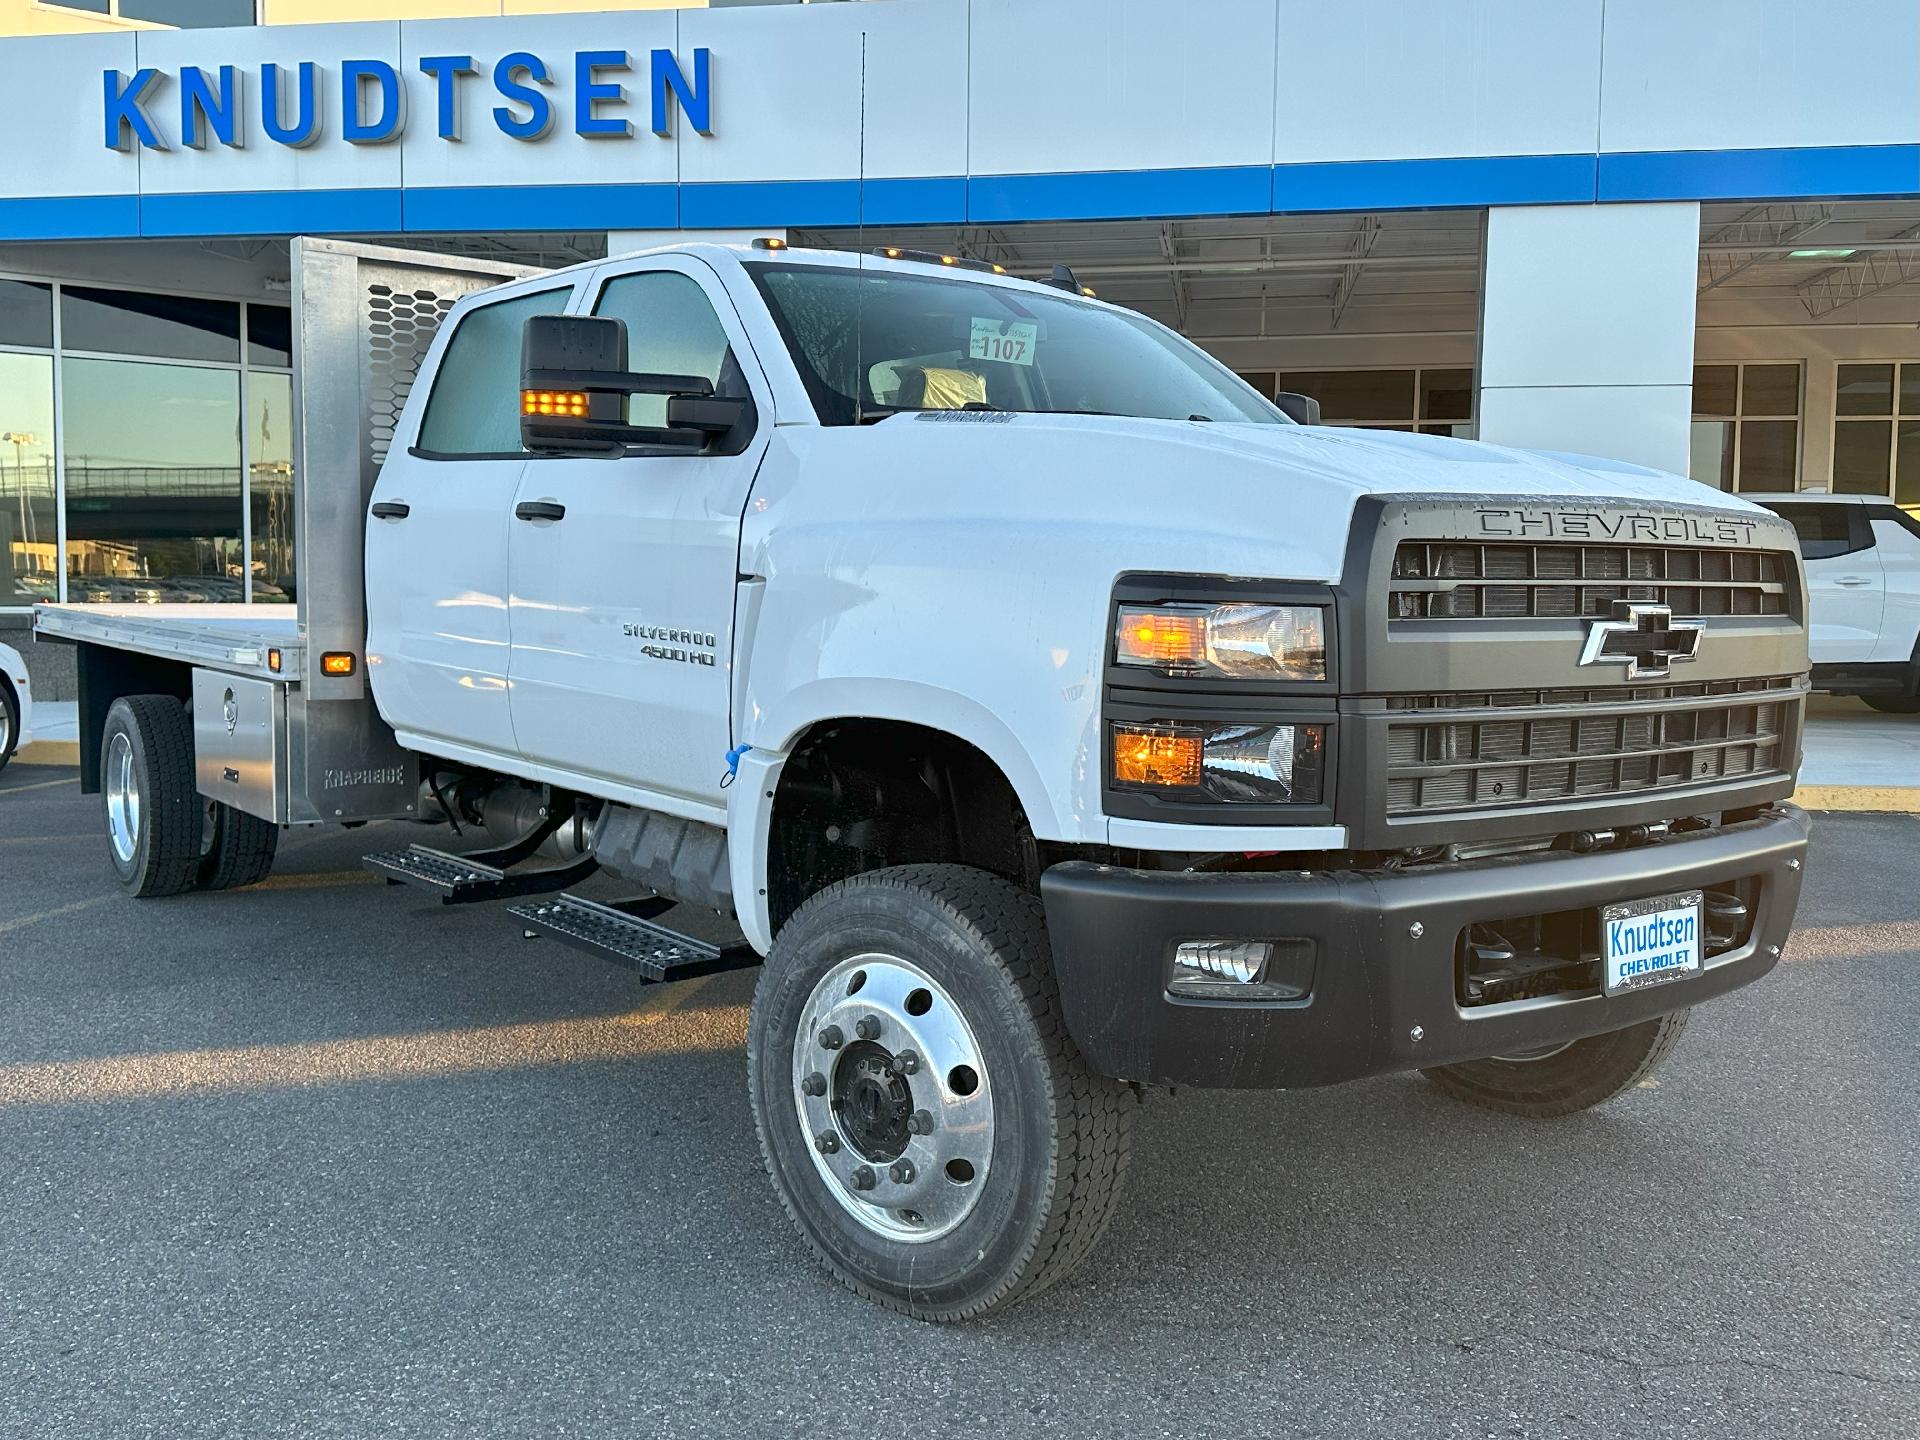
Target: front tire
[(928, 1124), (151, 804), (1574, 1077)]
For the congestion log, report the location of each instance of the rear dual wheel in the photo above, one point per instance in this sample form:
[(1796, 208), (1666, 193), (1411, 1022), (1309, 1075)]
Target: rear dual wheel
[(163, 838), (928, 1124)]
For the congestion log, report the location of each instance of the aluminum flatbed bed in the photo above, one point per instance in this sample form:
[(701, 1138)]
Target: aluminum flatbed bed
[(236, 639)]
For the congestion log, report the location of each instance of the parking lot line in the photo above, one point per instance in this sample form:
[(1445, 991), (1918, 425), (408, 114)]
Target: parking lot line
[(7, 927), (421, 1055), (38, 785)]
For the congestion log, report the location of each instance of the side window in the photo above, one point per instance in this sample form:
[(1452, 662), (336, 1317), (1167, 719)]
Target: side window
[(671, 330), (1827, 531), (475, 405)]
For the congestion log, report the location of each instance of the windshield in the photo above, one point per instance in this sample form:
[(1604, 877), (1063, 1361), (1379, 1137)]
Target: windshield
[(871, 343)]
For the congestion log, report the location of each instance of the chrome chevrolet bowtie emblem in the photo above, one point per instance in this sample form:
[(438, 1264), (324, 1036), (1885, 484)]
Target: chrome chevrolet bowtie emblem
[(1644, 638)]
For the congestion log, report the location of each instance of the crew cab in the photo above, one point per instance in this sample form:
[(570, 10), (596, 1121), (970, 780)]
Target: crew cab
[(1055, 716), (1862, 555)]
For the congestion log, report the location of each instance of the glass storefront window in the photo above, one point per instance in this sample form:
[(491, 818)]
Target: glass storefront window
[(1876, 431), (1436, 402), (270, 489), (131, 322), (269, 335), (26, 314), (153, 482), (29, 514), (1746, 426)]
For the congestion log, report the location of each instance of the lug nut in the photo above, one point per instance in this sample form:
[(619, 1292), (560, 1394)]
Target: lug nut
[(920, 1122), (907, 1063), (832, 1038), (900, 1172), (868, 1028), (826, 1142), (864, 1178), (814, 1084)]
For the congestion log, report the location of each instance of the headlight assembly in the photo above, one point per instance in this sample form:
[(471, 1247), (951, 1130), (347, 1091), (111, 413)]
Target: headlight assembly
[(1233, 641), (1274, 764)]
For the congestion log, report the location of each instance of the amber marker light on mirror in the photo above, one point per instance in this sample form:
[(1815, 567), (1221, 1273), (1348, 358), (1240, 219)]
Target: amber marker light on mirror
[(1157, 756), (337, 662), (570, 403)]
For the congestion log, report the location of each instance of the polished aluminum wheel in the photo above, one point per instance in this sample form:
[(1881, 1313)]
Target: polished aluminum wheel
[(123, 798), (894, 1097)]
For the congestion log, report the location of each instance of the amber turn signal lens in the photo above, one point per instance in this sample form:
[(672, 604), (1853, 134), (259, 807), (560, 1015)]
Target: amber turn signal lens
[(336, 662), (1168, 758), (273, 661), (570, 403), (1162, 637)]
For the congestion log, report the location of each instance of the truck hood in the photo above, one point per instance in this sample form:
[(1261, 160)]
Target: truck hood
[(1374, 462)]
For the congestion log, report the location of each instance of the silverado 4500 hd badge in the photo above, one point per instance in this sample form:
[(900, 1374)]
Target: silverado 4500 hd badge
[(690, 647)]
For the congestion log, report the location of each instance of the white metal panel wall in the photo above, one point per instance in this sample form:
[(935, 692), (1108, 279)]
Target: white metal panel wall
[(1090, 85), (1712, 74), (260, 164), (486, 155), (50, 113), (1440, 78), (787, 87), (1586, 338)]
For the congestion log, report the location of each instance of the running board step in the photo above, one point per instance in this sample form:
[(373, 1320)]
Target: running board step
[(468, 880), (623, 938)]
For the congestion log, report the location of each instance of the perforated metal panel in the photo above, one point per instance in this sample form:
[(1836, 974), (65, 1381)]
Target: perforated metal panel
[(400, 325)]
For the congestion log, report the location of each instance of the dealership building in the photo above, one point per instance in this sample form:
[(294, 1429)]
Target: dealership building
[(1683, 234)]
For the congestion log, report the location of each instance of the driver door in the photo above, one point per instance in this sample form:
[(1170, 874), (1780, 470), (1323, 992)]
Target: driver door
[(623, 570)]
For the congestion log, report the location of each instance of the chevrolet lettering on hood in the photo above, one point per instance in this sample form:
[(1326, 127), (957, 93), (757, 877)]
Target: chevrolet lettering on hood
[(1628, 526)]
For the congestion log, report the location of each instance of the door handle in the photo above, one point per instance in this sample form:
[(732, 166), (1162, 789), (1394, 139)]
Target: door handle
[(1851, 582), (392, 510), (540, 510)]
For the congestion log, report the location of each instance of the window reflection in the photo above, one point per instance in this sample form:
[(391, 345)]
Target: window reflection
[(29, 534), (153, 482), (270, 448)]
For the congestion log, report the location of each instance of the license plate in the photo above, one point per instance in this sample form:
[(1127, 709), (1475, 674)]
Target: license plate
[(1649, 942)]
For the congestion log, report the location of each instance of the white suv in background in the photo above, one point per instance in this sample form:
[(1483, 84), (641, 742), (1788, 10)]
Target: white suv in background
[(16, 704), (1862, 557)]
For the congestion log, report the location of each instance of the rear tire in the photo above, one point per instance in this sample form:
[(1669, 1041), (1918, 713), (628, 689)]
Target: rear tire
[(241, 851), (151, 804), (1019, 1156), (1577, 1077)]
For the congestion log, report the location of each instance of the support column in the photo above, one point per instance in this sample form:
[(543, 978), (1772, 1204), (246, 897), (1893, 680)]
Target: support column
[(625, 242), (1586, 330)]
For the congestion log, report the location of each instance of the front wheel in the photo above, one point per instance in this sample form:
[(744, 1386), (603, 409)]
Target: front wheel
[(1565, 1078), (927, 1122)]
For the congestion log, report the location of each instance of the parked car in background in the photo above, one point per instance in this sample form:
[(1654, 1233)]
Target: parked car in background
[(16, 704), (1863, 588)]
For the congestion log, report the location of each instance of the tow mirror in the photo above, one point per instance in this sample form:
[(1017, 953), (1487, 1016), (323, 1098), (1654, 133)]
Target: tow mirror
[(574, 385), (1301, 409)]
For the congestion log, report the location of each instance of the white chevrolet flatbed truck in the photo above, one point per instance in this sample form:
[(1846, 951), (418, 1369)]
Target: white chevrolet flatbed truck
[(1057, 718)]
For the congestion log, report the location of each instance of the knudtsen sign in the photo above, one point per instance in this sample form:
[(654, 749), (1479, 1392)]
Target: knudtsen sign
[(213, 110)]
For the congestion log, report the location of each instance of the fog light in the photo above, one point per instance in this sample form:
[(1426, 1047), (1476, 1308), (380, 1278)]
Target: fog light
[(1213, 962)]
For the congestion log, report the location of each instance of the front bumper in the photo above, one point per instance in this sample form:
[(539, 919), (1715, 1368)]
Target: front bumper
[(1383, 956)]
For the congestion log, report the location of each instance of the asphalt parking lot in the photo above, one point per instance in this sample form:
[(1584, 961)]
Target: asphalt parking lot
[(321, 1158)]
